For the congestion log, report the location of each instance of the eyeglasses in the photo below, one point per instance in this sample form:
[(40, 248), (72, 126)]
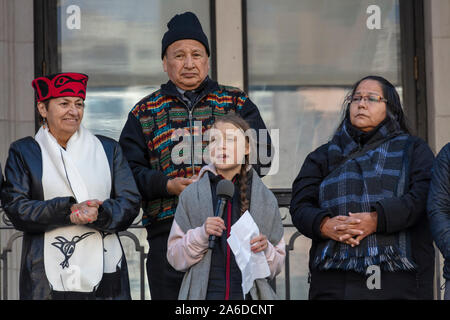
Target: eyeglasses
[(370, 99)]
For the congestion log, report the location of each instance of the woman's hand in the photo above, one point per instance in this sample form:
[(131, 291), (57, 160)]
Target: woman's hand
[(85, 212), (366, 226), (341, 229), (214, 226), (259, 243)]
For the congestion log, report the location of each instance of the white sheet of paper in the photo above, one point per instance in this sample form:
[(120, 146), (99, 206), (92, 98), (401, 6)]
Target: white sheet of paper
[(252, 265)]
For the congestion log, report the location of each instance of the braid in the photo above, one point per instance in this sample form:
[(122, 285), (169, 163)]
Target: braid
[(243, 186)]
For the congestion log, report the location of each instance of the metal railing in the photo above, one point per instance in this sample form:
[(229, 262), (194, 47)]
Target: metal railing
[(283, 196)]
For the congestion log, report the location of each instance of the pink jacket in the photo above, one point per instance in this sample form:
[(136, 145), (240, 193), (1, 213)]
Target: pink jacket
[(186, 249)]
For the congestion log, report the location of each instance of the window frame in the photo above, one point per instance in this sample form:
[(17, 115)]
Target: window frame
[(413, 76), (46, 59)]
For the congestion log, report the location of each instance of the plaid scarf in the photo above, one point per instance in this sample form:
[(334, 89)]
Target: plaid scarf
[(357, 180)]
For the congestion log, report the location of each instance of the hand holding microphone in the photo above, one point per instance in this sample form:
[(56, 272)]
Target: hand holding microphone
[(214, 226)]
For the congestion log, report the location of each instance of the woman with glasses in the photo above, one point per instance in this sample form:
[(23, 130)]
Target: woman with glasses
[(361, 198)]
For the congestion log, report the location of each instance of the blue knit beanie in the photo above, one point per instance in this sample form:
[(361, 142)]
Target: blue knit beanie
[(184, 26)]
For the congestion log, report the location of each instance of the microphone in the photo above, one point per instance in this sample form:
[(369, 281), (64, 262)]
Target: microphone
[(225, 191)]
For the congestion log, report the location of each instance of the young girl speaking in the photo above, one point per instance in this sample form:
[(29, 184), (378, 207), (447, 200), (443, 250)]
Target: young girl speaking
[(213, 274)]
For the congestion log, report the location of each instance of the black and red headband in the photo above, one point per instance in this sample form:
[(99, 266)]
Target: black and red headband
[(57, 85)]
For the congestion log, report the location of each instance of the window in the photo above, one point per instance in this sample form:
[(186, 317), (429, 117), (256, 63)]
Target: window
[(118, 44), (303, 57)]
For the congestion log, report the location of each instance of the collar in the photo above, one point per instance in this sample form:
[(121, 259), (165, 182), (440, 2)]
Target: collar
[(207, 86), (215, 178), (362, 137), (212, 169)]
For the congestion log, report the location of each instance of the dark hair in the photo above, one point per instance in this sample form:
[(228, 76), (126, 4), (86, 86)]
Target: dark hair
[(240, 123), (394, 108), (46, 103)]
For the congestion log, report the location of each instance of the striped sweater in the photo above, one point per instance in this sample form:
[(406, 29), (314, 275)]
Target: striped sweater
[(159, 123)]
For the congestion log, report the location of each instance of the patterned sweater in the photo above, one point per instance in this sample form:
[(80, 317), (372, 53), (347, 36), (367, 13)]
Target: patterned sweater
[(159, 123)]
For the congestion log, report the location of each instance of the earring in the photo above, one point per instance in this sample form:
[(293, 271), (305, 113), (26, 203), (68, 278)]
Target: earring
[(44, 122)]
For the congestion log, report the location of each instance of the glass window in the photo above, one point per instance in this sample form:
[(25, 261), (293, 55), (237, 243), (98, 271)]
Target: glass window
[(118, 44), (303, 57)]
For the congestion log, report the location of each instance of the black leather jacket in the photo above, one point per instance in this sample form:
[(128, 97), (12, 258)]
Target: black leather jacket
[(23, 202)]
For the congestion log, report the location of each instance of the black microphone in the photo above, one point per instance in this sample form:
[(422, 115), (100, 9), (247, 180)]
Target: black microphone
[(225, 191)]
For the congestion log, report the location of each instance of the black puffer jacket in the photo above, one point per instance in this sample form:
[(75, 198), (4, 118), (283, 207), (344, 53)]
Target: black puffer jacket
[(439, 205), (23, 201), (395, 214)]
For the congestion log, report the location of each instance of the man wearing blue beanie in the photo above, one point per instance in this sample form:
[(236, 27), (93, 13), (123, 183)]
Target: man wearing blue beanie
[(188, 99)]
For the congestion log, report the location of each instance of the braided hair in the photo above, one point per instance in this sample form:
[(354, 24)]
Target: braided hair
[(240, 123)]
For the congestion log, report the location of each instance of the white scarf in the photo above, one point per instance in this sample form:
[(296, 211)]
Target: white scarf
[(75, 257)]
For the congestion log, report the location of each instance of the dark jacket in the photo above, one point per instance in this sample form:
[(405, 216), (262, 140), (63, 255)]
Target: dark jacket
[(147, 144), (222, 257), (439, 205), (394, 214), (23, 201)]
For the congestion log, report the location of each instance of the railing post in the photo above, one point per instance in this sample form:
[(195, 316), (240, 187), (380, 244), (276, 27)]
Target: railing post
[(287, 276), (1, 271), (5, 274), (141, 251), (142, 258)]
